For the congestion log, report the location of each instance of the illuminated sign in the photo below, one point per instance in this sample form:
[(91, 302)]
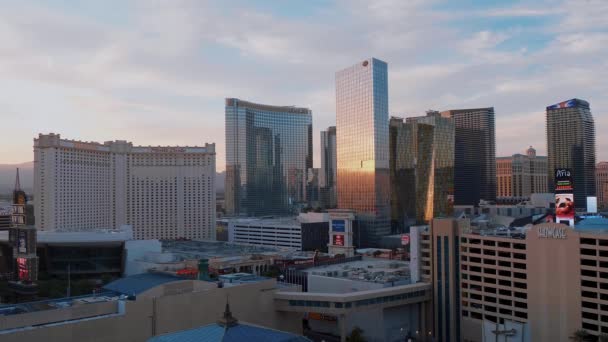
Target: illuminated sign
[(563, 181), (338, 225), (338, 240), (321, 317), (564, 195), (22, 242), (551, 233), (405, 239), (564, 104), (23, 269)]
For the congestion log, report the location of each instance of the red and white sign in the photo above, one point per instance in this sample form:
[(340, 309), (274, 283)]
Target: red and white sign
[(405, 239), (338, 240)]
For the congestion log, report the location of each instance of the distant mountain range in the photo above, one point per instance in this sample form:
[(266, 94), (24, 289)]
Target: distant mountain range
[(26, 174)]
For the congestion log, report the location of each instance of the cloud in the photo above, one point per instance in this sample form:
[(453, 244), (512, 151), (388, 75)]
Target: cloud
[(159, 73)]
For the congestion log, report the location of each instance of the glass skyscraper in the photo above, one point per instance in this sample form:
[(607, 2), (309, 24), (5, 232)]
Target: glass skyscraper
[(441, 188), (362, 147), (475, 155), (571, 145), (421, 169), (268, 154), (328, 172)]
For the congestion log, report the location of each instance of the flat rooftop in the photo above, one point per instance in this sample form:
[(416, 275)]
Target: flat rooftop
[(58, 303), (368, 269), (291, 221), (194, 249)]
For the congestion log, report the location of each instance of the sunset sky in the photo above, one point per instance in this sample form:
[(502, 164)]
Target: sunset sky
[(157, 72)]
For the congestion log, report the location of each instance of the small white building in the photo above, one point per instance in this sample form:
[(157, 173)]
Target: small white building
[(281, 232)]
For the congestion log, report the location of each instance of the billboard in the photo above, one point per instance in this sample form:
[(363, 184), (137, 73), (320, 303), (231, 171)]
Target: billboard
[(22, 242), (405, 239), (26, 269), (338, 225), (564, 104), (338, 240), (564, 195), (592, 204)]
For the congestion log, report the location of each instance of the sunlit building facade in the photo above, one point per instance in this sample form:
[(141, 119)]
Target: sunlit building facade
[(421, 169), (443, 163), (519, 176), (163, 192), (268, 154), (362, 146), (540, 282), (571, 145)]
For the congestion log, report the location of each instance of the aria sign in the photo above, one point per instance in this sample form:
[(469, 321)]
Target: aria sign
[(551, 233)]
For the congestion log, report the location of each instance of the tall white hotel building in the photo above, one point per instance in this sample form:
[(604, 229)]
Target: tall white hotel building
[(162, 192)]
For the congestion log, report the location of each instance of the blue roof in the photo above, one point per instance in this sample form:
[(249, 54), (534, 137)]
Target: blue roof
[(592, 223), (139, 283), (238, 333)]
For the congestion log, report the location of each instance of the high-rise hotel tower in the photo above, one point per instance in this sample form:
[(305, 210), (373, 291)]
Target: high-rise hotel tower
[(328, 172), (474, 155), (571, 145), (162, 192), (363, 147), (268, 154)]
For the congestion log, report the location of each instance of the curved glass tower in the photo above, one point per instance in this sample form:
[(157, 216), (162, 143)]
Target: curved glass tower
[(362, 147), (268, 152)]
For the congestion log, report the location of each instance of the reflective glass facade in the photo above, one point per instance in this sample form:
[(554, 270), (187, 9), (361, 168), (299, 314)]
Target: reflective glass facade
[(328, 172), (362, 147), (475, 155), (571, 145), (421, 169), (268, 154)]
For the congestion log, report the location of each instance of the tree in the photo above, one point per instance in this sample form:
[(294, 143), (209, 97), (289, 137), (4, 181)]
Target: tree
[(356, 335), (581, 335), (106, 278)]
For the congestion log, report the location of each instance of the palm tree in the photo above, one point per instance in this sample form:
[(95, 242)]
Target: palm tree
[(356, 335), (581, 335)]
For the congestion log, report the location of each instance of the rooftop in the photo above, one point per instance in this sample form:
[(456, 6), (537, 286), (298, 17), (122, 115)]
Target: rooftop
[(368, 270), (238, 332), (139, 283), (259, 106), (58, 303), (191, 249), (194, 249)]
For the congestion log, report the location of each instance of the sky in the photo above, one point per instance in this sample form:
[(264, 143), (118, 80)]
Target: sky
[(157, 72)]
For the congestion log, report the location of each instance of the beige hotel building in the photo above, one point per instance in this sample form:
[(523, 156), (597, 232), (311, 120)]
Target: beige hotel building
[(161, 192), (539, 283)]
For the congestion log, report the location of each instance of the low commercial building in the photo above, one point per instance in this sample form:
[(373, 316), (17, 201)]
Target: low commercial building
[(140, 307), (176, 257), (535, 283), (375, 295), (86, 253), (536, 204), (308, 231)]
